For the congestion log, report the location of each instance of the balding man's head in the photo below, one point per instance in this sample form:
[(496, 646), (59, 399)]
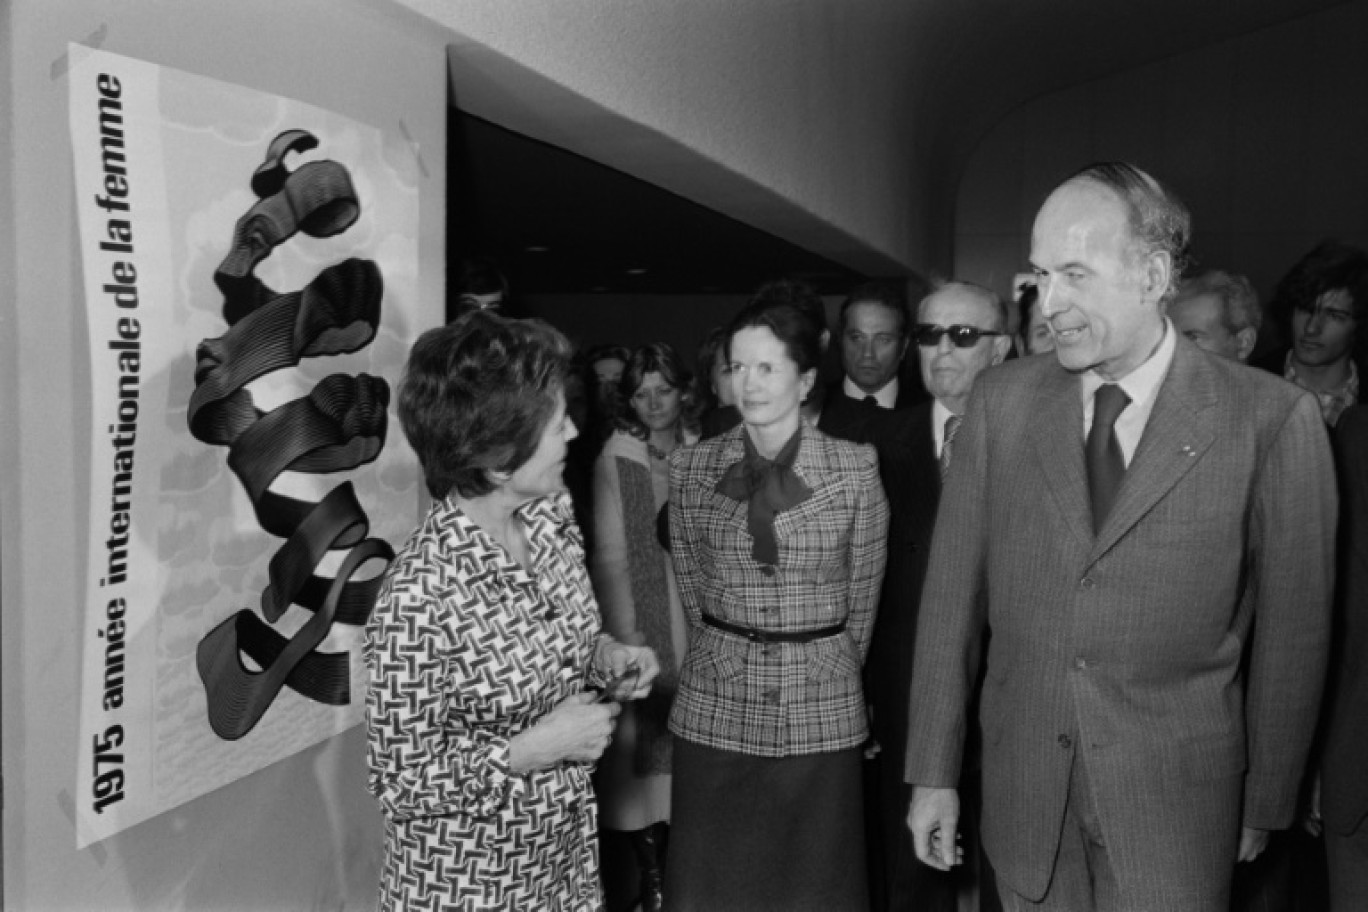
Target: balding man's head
[(1106, 248), (1220, 312), (961, 331)]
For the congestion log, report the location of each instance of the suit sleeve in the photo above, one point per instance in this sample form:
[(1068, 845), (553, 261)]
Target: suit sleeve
[(1291, 561), (684, 536), (868, 551), (953, 612)]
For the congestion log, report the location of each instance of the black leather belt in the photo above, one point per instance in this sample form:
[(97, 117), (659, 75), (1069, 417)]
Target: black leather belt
[(774, 636)]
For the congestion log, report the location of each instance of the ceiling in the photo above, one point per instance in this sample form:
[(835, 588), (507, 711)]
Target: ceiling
[(981, 59), (560, 223)]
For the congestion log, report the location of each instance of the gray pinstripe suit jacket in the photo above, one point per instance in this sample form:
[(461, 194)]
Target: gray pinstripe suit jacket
[(1127, 647), (779, 699)]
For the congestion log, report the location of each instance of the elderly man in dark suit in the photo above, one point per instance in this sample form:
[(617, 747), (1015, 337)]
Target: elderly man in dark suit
[(1344, 755), (1149, 533), (961, 331)]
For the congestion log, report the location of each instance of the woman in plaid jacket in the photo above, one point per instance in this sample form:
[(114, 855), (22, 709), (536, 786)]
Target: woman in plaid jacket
[(778, 537)]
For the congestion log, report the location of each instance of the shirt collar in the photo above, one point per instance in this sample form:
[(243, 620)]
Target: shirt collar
[(887, 395), (1332, 402), (938, 415), (1141, 384)]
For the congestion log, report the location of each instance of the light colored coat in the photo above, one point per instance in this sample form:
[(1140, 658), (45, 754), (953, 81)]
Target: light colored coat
[(1126, 647)]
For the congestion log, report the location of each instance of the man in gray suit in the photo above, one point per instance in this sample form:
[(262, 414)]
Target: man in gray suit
[(1148, 532)]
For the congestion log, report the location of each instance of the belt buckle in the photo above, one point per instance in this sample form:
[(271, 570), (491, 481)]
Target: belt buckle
[(755, 636)]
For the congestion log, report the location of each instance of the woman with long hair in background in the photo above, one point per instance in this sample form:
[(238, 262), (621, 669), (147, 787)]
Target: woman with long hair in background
[(634, 580)]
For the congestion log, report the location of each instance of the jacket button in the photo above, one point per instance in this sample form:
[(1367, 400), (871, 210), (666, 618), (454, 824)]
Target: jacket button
[(1065, 741), (1081, 663), (772, 696), (1086, 583)]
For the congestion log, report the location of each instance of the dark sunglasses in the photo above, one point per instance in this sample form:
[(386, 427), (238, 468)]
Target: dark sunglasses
[(929, 336)]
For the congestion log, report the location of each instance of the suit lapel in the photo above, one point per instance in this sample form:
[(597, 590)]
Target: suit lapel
[(1058, 442), (1175, 437), (728, 511)]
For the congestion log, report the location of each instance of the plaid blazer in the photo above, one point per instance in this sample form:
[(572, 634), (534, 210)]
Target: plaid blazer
[(777, 699)]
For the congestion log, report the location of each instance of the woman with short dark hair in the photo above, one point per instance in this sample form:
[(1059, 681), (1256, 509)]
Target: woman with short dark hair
[(485, 640), (778, 536), (635, 583)]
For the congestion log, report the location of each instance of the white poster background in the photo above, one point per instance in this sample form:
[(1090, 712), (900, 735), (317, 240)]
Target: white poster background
[(195, 552)]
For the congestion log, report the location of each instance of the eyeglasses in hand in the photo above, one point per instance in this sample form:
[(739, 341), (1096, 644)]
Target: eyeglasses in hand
[(620, 688)]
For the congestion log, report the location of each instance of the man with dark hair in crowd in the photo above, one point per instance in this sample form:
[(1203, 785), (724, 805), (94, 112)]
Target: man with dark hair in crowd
[(606, 363), (873, 333), (1033, 334), (1320, 304), (1149, 533), (478, 285)]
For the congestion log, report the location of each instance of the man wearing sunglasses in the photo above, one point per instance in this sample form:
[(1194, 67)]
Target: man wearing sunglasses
[(1148, 532), (961, 331)]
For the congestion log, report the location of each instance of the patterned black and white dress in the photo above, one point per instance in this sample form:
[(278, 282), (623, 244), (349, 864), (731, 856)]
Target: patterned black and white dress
[(464, 650)]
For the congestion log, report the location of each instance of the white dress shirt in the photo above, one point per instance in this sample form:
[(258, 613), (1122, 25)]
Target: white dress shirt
[(938, 415), (1141, 385), (887, 395)]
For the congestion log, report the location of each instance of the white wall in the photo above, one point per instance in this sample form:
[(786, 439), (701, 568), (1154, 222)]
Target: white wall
[(789, 117), (303, 834), (1263, 136), (792, 117)]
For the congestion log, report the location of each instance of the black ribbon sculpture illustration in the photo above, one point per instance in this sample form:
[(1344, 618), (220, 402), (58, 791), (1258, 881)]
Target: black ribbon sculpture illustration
[(340, 425)]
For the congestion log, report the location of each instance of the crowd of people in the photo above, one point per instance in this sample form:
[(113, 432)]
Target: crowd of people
[(1049, 604)]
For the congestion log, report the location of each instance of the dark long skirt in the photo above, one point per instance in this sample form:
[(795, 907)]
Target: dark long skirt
[(754, 834)]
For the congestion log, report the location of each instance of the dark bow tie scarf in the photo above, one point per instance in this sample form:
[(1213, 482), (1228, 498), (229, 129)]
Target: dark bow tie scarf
[(340, 425), (1106, 463), (769, 487)]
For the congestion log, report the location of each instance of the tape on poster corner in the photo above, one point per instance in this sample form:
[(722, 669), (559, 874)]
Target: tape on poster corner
[(413, 144), (68, 807), (63, 63)]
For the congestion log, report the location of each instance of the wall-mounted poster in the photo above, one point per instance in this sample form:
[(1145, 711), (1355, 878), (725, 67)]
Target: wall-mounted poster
[(250, 272)]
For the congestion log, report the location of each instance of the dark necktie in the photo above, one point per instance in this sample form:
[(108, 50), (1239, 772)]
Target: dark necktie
[(870, 402), (952, 425), (1106, 464)]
